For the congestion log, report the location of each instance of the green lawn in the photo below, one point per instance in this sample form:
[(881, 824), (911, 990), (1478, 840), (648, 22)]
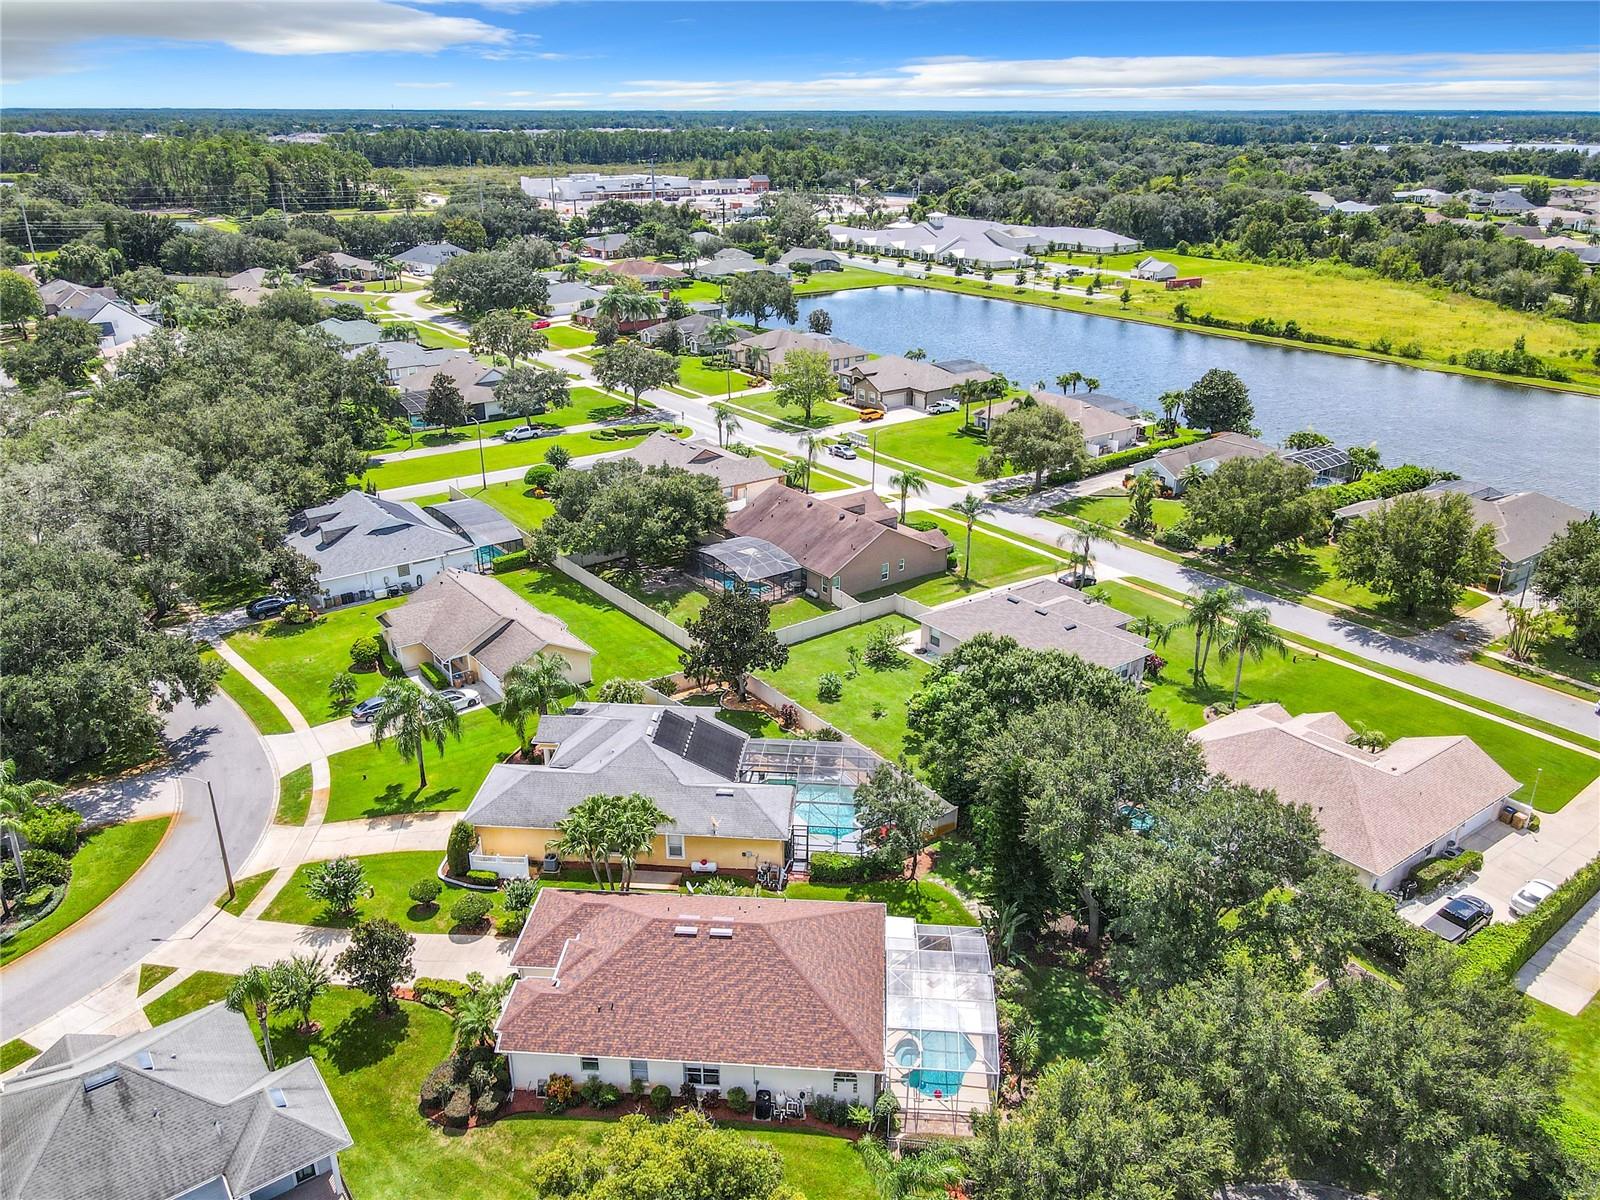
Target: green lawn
[(588, 405), (197, 991), (375, 781), (151, 974), (995, 561), (1111, 508), (940, 443), (822, 282), (823, 479), (263, 713), (1305, 682), (926, 901), (751, 723), (390, 877), (568, 337), (244, 891), (1070, 1010), (823, 415), (301, 659), (294, 797), (105, 861), (853, 712), (679, 601), (623, 647), (14, 1053), (1557, 654), (496, 457), (513, 498), (707, 381), (1579, 1036)]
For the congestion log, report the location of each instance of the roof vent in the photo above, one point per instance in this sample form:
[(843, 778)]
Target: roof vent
[(145, 1061), (725, 792), (1070, 626), (99, 1079), (685, 931), (279, 1100), (1013, 600), (1042, 612), (721, 931)]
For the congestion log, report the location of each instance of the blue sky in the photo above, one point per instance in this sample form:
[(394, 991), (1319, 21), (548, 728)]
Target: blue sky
[(499, 54)]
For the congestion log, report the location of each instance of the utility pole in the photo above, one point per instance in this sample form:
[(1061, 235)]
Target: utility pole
[(23, 205), (483, 472), (221, 846)]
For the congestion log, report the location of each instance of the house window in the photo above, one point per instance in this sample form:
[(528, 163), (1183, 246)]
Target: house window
[(675, 845), (902, 564), (639, 1070), (305, 1173), (933, 637), (836, 582), (702, 1075), (403, 570), (843, 1080), (884, 573), (589, 1066)]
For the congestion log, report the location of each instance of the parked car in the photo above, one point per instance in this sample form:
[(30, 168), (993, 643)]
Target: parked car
[(1529, 896), (522, 433), (461, 699), (263, 607), (872, 414), (1460, 918), (840, 450), (362, 713), (538, 324), (943, 406), (1077, 579)]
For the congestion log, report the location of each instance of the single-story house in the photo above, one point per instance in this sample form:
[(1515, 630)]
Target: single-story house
[(1524, 233), (1043, 615), (1587, 254), (119, 325), (1427, 197), (345, 266), (1547, 215), (816, 260), (694, 331), (606, 245), (474, 629), (1381, 812), (185, 1110), (977, 243), (475, 381), (763, 352), (249, 279), (427, 258), (851, 542), (728, 262), (60, 294), (651, 274), (365, 546), (568, 298), (1112, 404), (1170, 465), (1508, 201), (1524, 524), (402, 360), (1154, 269), (894, 381), (352, 333), (740, 478), (965, 370), (1104, 432)]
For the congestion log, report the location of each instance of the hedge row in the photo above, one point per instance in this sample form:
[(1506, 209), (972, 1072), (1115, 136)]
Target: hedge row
[(1135, 454), (830, 867), (1441, 872), (1380, 485), (1504, 949), (514, 561)]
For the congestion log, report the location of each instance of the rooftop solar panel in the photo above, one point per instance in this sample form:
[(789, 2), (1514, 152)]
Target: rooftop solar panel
[(716, 748), (673, 730)]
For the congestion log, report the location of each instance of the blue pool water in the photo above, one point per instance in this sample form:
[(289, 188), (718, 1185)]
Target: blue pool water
[(938, 1060), (829, 809)]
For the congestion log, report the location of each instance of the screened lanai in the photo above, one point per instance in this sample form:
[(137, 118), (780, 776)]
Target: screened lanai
[(768, 571)]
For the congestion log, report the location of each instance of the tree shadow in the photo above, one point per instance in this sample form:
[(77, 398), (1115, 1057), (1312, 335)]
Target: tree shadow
[(395, 800), (365, 1038)]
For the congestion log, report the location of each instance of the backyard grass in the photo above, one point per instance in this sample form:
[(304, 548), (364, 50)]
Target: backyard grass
[(1111, 508), (751, 723), (14, 1053), (263, 713), (1557, 654), (244, 891), (870, 692), (197, 991), (105, 861), (823, 416), (390, 877), (929, 903), (376, 781), (151, 974), (1308, 682), (623, 647), (588, 405), (294, 797), (568, 337), (1069, 1009), (301, 659), (513, 498), (995, 562), (822, 282), (498, 456), (675, 598)]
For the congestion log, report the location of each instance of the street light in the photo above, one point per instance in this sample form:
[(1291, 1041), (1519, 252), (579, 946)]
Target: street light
[(216, 823), (483, 473)]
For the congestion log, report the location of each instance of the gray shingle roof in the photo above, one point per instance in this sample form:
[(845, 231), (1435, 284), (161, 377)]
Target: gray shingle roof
[(352, 333), (1046, 615), (702, 458), (429, 254), (358, 533), (1524, 523), (461, 612), (201, 1110)]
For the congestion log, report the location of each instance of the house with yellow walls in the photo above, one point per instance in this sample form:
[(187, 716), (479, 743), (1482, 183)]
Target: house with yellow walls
[(688, 763)]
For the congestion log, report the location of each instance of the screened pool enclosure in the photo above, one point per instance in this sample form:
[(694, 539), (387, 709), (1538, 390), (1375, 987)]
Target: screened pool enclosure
[(769, 572)]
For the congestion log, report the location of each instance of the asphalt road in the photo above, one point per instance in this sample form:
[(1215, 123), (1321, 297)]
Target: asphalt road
[(184, 875)]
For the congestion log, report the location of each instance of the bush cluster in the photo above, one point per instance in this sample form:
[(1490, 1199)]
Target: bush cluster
[(1504, 949), (53, 827), (1380, 485), (738, 1100), (832, 1111), (41, 867), (468, 1082), (661, 1097), (828, 866), (598, 1094), (513, 561), (442, 994), (558, 1093), (364, 653), (1134, 454), (471, 910), (1436, 873)]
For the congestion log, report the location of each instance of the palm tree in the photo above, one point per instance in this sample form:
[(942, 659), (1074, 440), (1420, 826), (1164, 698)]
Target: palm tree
[(1208, 612), (1069, 381), (933, 1172), (254, 991), (622, 306), (386, 264), (298, 981), (476, 1016), (1250, 634), (909, 482), (529, 689), (967, 508), (812, 442), (1153, 630), (413, 718), (1080, 543), (636, 820), (728, 423), (278, 276), (1171, 403), (572, 272), (1193, 475), (17, 800), (968, 392), (916, 354), (584, 833)]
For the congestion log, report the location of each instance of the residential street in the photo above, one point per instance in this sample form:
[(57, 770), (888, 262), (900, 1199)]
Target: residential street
[(179, 881)]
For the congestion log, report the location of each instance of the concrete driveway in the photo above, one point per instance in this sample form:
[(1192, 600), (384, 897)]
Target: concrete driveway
[(1565, 974)]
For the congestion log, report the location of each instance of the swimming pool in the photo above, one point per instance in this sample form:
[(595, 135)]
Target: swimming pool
[(827, 809), (938, 1060)]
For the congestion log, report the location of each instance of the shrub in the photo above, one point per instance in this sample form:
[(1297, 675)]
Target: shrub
[(885, 1109), (364, 653), (52, 827), (558, 1093), (661, 1097), (857, 1116), (739, 1100), (486, 879), (589, 1089), (922, 524), (488, 1104), (440, 993), (43, 867), (514, 561), (827, 734), (788, 717), (1179, 537), (459, 848), (520, 894), (883, 648), (458, 1108), (637, 1088), (1135, 454), (481, 1078), (539, 475), (620, 691), (436, 1088), (297, 614), (471, 909), (509, 924), (830, 688), (1436, 873), (558, 456), (434, 676), (686, 1091), (718, 885), (828, 866), (425, 891), (823, 1108), (607, 1096), (1505, 949)]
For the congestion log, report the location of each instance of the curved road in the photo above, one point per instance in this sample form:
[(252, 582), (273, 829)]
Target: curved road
[(184, 875)]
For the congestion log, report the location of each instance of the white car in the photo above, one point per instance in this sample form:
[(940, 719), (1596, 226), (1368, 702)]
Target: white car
[(461, 699), (842, 450), (1530, 895), (521, 433), (943, 406)]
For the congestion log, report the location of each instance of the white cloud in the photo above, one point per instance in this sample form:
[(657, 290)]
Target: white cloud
[(40, 34)]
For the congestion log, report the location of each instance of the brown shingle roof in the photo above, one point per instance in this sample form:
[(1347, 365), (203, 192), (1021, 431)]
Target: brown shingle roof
[(800, 983), (702, 458), (640, 268), (820, 533), (461, 612)]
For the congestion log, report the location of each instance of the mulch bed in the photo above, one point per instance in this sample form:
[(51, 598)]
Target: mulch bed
[(524, 1103)]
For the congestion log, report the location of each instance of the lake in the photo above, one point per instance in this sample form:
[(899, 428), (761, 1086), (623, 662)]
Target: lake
[(1513, 437)]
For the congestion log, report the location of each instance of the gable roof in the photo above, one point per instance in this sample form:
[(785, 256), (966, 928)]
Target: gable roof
[(823, 533), (606, 241), (1045, 615), (801, 255), (352, 333), (93, 1120), (702, 458), (778, 342), (341, 259), (63, 293), (358, 533), (894, 372), (461, 612), (795, 983), (1091, 419), (1219, 447), (1375, 810), (639, 268), (252, 277), (399, 355)]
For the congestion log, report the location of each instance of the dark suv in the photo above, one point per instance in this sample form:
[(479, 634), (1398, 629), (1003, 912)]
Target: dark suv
[(1460, 918), (263, 607)]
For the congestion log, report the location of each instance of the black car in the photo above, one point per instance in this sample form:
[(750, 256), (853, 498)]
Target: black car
[(1460, 918), (263, 607)]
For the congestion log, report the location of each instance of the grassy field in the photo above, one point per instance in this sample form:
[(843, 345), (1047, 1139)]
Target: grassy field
[(150, 974), (766, 404), (702, 380), (924, 900), (823, 282), (568, 337), (14, 1053), (588, 405), (1305, 682), (105, 861), (497, 456), (390, 877), (263, 713), (375, 781), (244, 891), (301, 659), (822, 478), (513, 498), (1069, 1009), (294, 797), (1556, 654), (994, 562), (680, 601), (1111, 508), (195, 992), (623, 648), (1579, 1036), (940, 443), (868, 693), (373, 1068), (750, 722)]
